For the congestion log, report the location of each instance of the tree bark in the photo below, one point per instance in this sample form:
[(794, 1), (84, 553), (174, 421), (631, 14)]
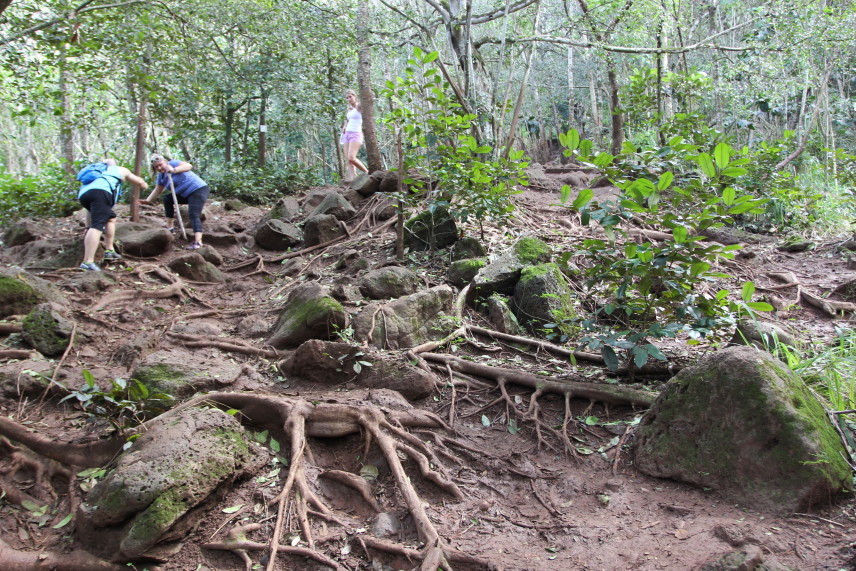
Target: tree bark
[(66, 132), (364, 74), (262, 129), (139, 150)]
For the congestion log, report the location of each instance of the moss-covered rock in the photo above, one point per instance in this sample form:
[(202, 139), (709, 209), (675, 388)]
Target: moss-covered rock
[(172, 468), (462, 272), (181, 374), (531, 251), (542, 296), (741, 422), (501, 274), (499, 315), (21, 291), (310, 312), (390, 282), (466, 248), (47, 329), (430, 231), (407, 321)]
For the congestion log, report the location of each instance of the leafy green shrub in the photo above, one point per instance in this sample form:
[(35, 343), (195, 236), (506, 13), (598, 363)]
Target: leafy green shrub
[(43, 195), (125, 403), (256, 186), (655, 290), (442, 152)]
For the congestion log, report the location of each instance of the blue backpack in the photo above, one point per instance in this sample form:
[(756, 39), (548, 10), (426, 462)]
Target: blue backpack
[(91, 173)]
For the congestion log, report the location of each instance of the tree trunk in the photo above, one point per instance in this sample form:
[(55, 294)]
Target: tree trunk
[(617, 132), (364, 74), (262, 130), (139, 150), (229, 122), (334, 119), (66, 133)]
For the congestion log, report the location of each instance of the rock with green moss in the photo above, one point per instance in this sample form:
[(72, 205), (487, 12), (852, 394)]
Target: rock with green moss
[(543, 296), (309, 312), (47, 329), (499, 315), (462, 272), (181, 374), (501, 274), (177, 463), (742, 423), (390, 282), (21, 291), (407, 321), (430, 230), (286, 209), (466, 248)]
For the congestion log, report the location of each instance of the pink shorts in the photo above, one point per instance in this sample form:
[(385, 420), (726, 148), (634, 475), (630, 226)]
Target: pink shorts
[(352, 137)]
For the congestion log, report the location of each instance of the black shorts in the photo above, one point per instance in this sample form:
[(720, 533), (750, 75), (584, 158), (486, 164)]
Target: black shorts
[(100, 207)]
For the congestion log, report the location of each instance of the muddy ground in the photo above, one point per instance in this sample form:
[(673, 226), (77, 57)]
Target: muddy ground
[(524, 507)]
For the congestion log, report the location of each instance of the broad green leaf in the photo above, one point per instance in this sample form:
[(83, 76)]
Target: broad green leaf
[(655, 352), (430, 57), (748, 290), (722, 153), (706, 164), (603, 159), (759, 306), (728, 196), (565, 193), (30, 506), (585, 147), (573, 139), (232, 509), (369, 472), (733, 172), (680, 234), (485, 420), (665, 180), (592, 420), (512, 427), (583, 199), (274, 445), (609, 357), (640, 356)]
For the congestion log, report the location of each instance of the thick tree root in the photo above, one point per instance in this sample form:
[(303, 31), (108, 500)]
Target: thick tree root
[(176, 288), (14, 560)]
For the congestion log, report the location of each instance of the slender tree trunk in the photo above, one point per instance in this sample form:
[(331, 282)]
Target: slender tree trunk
[(139, 151), (262, 129), (229, 122), (66, 133), (364, 74), (617, 133), (335, 121)]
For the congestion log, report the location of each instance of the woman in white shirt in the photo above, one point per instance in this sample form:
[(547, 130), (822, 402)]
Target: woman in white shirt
[(352, 134)]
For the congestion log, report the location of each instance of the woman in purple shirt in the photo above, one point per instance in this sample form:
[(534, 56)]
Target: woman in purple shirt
[(190, 189)]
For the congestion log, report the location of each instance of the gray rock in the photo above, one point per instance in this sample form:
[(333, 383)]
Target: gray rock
[(277, 235), (336, 205), (181, 373), (368, 185), (407, 321), (144, 241), (47, 329), (177, 463), (315, 197), (430, 231), (286, 209), (389, 283), (500, 316), (193, 266), (310, 312), (20, 233), (321, 228), (542, 296), (501, 274), (466, 248), (741, 422), (761, 334), (462, 272)]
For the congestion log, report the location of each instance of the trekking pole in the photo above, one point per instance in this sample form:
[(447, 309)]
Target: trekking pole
[(177, 208)]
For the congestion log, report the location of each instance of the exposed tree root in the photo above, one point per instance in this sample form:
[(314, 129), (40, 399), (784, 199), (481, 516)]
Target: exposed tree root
[(234, 345), (176, 288), (300, 419), (17, 354), (89, 455), (14, 560)]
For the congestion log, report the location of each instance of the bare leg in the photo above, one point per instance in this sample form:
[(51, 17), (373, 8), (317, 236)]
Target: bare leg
[(90, 244), (109, 233), (353, 162), (197, 237)]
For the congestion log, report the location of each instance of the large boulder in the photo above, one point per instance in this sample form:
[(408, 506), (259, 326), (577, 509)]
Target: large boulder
[(389, 282), (21, 233), (333, 363), (430, 230), (542, 296), (20, 292), (321, 228), (741, 422), (277, 235), (143, 241), (468, 247), (182, 373), (47, 329), (336, 205), (173, 467), (310, 312), (286, 209), (502, 273), (408, 321), (193, 266)]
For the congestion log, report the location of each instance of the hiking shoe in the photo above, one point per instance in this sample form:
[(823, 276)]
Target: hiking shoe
[(172, 230), (111, 255), (193, 246), (90, 267)]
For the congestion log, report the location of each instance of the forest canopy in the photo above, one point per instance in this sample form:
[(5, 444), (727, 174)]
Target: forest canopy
[(256, 87)]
